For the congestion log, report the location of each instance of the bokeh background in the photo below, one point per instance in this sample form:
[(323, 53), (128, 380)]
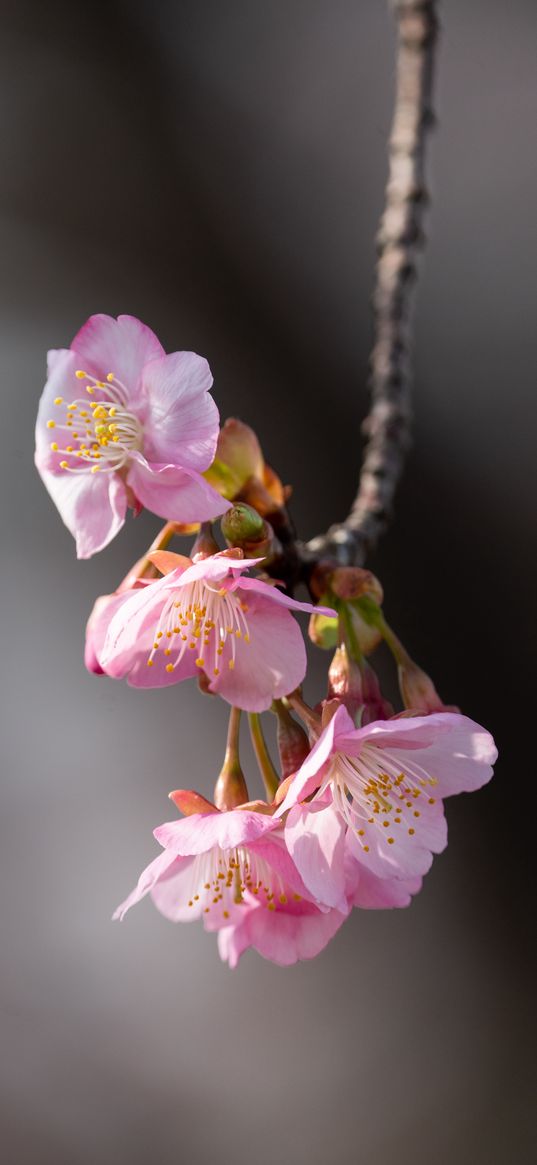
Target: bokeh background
[(216, 167)]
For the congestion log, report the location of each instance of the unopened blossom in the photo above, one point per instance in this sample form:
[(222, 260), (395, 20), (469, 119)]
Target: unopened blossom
[(385, 782), (232, 870), (207, 616), (122, 423), (240, 470)]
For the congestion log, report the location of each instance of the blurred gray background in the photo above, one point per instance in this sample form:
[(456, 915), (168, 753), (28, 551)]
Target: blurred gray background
[(216, 167)]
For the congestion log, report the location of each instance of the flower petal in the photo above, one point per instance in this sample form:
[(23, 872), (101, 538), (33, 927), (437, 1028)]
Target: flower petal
[(97, 626), (408, 855), (175, 893), (158, 868), (283, 936), (201, 832), (181, 426), (217, 567), (460, 760), (372, 893), (277, 596), (310, 773), (61, 382), (272, 664), (315, 838), (93, 507), (130, 637), (121, 346), (171, 492)]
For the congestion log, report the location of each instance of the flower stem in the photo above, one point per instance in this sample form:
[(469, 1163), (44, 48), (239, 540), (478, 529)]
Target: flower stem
[(266, 767), (307, 715), (349, 634), (231, 789)]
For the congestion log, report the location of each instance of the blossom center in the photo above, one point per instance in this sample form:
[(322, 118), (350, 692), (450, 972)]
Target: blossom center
[(372, 793), (96, 435), (198, 617), (221, 878)]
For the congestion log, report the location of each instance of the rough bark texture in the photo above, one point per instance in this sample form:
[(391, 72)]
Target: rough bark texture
[(399, 240)]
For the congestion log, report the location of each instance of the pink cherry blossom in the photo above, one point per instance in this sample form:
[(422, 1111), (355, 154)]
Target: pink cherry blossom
[(385, 783), (232, 870), (120, 423), (208, 617)]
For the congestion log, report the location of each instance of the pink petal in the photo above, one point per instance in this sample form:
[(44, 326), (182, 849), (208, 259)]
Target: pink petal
[(61, 382), (262, 588), (181, 425), (171, 492), (408, 732), (233, 941), (310, 774), (130, 637), (93, 507), (217, 568), (174, 892), (409, 856), (121, 346), (372, 893), (281, 936), (103, 611), (271, 847), (158, 868), (201, 832), (315, 837), (461, 760), (272, 664)]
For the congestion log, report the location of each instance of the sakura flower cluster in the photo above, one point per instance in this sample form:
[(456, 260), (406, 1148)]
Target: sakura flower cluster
[(353, 811)]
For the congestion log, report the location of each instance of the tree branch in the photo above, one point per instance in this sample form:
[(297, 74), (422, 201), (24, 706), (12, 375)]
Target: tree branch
[(387, 427)]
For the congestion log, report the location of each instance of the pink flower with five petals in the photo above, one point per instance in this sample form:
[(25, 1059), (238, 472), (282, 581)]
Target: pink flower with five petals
[(120, 422), (206, 616), (385, 783), (232, 870)]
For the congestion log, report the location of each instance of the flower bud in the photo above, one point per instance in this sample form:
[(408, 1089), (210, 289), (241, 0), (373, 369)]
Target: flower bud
[(205, 543), (293, 743), (352, 582), (418, 691), (324, 632), (356, 686), (345, 681), (230, 790), (239, 469), (242, 524), (375, 706)]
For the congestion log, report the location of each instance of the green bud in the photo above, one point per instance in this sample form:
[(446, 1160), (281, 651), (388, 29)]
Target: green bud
[(242, 524)]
